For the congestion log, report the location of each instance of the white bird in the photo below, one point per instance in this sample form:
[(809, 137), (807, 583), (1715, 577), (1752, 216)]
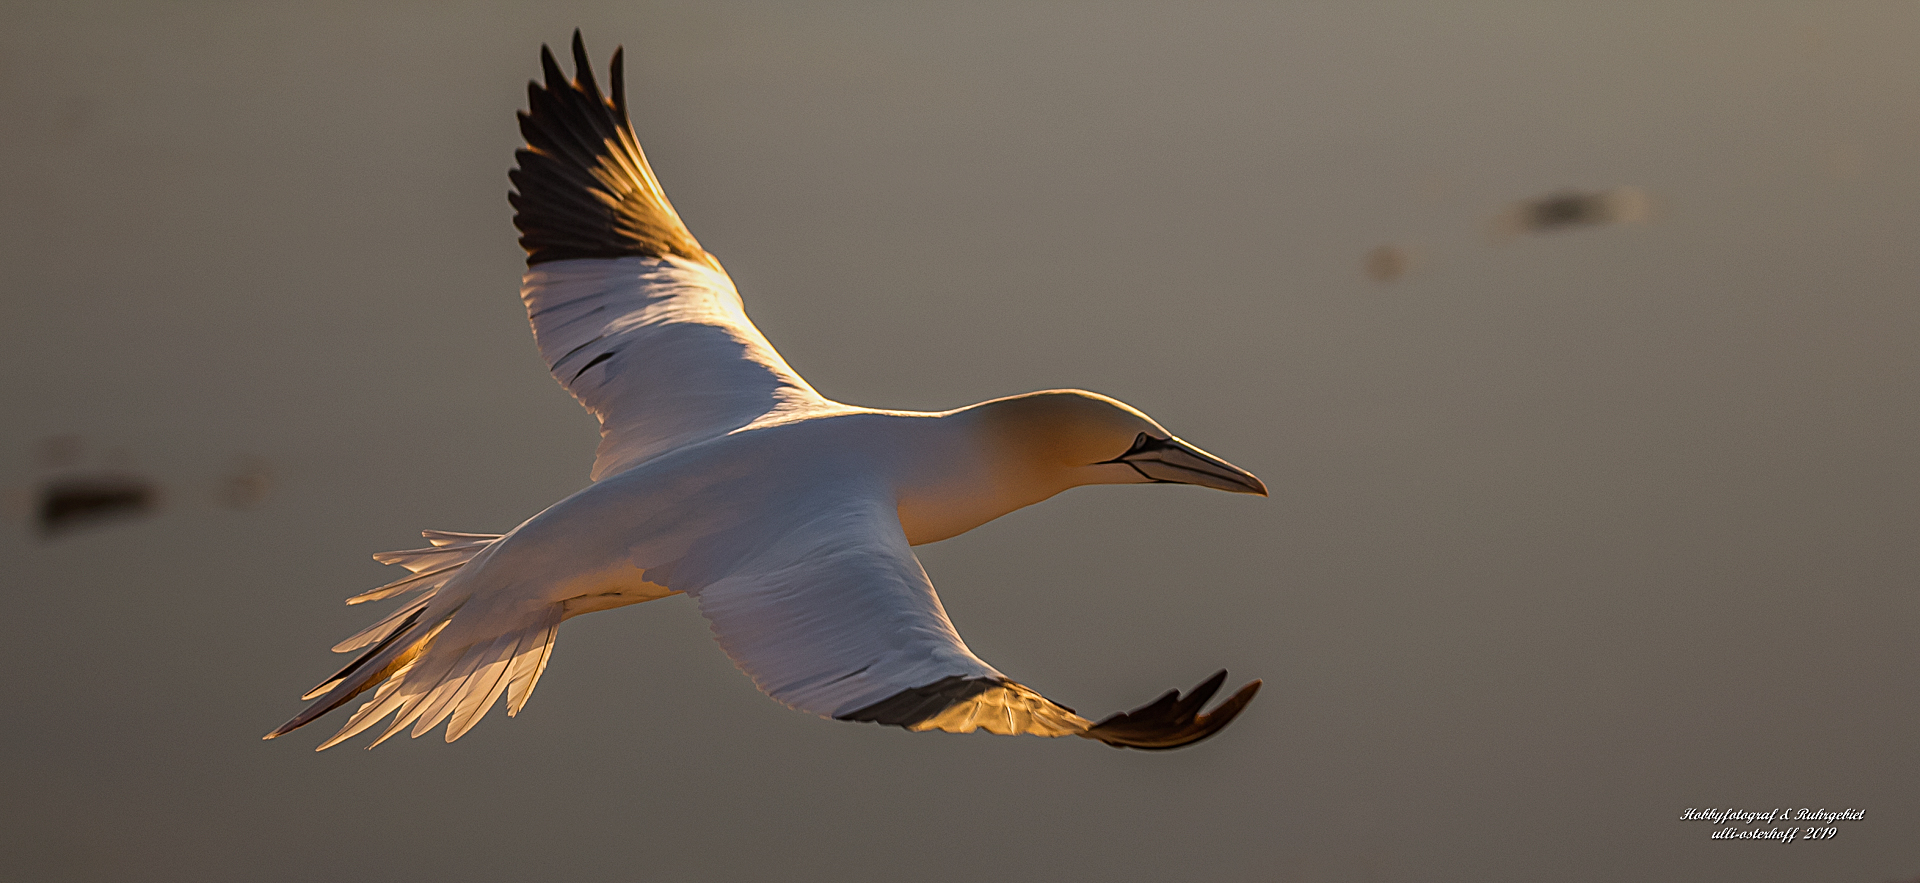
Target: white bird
[(788, 517)]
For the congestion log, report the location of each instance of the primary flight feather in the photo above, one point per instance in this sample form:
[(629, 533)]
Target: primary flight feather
[(788, 517)]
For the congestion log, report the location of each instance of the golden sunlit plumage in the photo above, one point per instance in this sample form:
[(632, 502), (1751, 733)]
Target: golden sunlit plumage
[(722, 475)]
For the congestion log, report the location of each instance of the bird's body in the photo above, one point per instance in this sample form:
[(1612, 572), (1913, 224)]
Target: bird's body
[(722, 475), (719, 496)]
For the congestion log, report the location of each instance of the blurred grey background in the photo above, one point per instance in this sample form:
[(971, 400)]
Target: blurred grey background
[(1571, 529)]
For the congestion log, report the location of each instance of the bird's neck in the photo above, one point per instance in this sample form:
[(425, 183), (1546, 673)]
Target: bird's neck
[(962, 474)]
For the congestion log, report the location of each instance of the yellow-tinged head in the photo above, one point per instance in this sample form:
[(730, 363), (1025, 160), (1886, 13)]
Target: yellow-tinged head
[(1017, 451), (1071, 437)]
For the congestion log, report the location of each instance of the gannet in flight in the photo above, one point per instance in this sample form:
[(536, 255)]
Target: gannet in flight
[(788, 517)]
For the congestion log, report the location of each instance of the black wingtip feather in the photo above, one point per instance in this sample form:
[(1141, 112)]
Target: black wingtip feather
[(583, 68), (1173, 722), (583, 188), (551, 69), (619, 72), (1170, 721)]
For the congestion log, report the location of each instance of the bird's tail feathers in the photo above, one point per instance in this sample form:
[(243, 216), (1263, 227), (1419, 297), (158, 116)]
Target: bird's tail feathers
[(412, 677), (430, 568), (457, 683)]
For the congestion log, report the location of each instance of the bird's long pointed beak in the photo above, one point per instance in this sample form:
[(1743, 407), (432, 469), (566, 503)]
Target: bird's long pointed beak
[(1173, 460)]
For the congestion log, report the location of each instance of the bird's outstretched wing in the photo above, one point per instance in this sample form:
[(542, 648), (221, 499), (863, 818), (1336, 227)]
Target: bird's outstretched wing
[(633, 317), (838, 618)]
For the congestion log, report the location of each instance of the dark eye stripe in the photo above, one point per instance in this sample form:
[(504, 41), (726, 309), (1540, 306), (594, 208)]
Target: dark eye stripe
[(1142, 443)]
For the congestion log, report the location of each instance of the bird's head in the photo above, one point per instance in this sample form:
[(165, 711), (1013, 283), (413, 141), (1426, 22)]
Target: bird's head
[(1076, 437)]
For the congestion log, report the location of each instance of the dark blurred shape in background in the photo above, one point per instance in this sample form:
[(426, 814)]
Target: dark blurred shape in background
[(79, 501), (1576, 208), (1387, 263), (245, 483)]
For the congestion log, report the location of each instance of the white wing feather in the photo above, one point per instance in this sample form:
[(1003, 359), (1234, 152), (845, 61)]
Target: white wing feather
[(660, 349), (837, 614)]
